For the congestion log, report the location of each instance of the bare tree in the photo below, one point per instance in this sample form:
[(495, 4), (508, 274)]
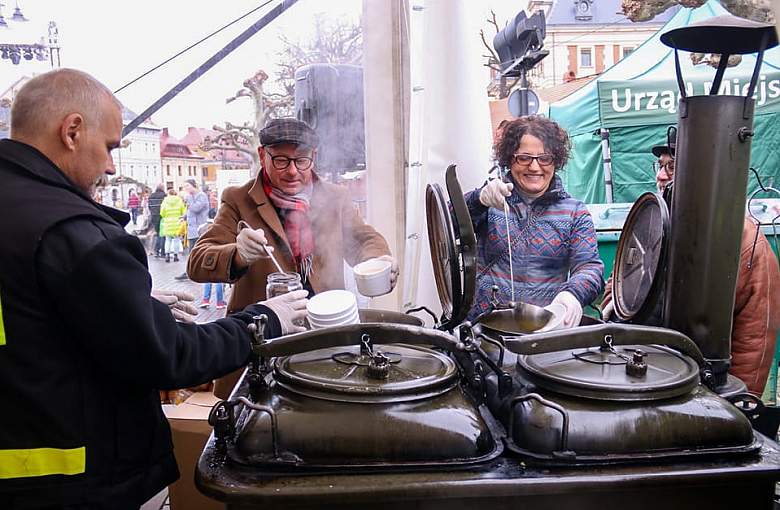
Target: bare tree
[(334, 41), (758, 10), (644, 10), (501, 89)]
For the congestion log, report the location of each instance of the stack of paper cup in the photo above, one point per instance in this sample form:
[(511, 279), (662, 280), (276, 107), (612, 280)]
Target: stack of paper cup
[(332, 308)]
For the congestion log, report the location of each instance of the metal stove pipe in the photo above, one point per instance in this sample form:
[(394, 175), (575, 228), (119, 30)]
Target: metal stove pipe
[(707, 215)]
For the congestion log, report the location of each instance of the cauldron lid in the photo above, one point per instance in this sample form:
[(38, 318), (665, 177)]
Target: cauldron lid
[(453, 249), (601, 374), (641, 252), (722, 34), (343, 374)]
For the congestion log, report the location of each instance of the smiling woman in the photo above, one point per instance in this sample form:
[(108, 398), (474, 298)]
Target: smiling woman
[(554, 257)]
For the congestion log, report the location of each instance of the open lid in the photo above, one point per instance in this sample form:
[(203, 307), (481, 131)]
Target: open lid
[(722, 34), (453, 249), (641, 252)]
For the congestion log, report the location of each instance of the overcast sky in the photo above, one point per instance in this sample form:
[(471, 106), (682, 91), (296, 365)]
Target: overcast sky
[(118, 41)]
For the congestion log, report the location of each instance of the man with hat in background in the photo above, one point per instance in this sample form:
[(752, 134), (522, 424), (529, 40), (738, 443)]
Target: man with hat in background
[(310, 225), (757, 300)]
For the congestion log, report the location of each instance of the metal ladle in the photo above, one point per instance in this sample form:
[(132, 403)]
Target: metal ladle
[(242, 225)]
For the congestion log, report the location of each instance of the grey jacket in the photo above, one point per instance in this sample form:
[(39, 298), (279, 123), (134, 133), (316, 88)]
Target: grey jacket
[(197, 213)]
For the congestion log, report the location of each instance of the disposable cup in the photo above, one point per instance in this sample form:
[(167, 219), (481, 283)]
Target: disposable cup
[(373, 277)]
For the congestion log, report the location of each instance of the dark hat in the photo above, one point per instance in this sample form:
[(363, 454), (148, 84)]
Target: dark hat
[(663, 149), (288, 130)]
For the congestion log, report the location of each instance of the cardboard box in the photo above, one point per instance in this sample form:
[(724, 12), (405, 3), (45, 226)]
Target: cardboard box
[(190, 428)]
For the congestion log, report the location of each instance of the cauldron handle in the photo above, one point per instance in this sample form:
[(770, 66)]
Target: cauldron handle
[(546, 403), (352, 334), (593, 336)]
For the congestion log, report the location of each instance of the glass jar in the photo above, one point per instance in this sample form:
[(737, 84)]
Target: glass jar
[(282, 283)]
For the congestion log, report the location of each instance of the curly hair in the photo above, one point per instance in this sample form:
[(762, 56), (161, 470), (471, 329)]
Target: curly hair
[(556, 141)]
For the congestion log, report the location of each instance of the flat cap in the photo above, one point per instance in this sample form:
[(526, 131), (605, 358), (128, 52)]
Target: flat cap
[(288, 130)]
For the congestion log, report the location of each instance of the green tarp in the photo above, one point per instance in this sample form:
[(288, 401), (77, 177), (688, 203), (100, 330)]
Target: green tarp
[(637, 98)]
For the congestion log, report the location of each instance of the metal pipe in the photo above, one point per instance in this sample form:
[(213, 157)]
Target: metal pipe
[(606, 155), (707, 215)]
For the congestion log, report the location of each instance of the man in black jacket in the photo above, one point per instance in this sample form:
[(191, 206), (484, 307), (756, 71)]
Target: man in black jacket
[(83, 346), (155, 200)]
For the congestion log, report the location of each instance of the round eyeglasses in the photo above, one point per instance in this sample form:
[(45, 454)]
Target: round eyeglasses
[(527, 159), (667, 167), (282, 162)]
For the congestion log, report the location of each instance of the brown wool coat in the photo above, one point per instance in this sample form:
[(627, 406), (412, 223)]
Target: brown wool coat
[(339, 235), (756, 311)]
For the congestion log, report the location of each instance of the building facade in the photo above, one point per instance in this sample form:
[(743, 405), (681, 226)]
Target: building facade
[(216, 159), (586, 37), (178, 162)]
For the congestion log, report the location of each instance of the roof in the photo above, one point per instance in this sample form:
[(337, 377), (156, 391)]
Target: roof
[(557, 92), (170, 147), (602, 12), (129, 115), (195, 137)]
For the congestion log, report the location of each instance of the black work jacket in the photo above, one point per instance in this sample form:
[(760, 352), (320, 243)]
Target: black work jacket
[(84, 348)]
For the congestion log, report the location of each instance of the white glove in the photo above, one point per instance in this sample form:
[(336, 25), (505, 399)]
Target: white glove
[(251, 245), (289, 308), (492, 195), (393, 269), (179, 302), (608, 310), (573, 308)]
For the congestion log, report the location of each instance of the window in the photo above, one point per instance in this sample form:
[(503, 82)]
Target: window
[(586, 57), (180, 174), (205, 171), (168, 170), (628, 50)]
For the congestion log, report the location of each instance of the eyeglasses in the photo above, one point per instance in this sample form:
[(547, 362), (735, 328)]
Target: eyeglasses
[(527, 159), (282, 162), (667, 167)]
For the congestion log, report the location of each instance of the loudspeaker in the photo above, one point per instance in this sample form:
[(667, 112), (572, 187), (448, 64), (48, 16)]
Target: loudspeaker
[(329, 97)]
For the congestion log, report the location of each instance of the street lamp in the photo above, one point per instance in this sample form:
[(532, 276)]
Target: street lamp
[(17, 52)]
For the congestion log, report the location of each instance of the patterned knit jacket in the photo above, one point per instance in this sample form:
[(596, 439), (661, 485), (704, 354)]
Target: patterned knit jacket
[(553, 249)]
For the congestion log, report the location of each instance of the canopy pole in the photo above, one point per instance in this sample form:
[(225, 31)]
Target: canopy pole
[(607, 160)]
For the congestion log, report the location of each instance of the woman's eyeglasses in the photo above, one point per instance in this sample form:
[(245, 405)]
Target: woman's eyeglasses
[(282, 162), (527, 159)]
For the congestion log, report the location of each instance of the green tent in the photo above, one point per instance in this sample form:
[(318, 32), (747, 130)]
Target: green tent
[(636, 99)]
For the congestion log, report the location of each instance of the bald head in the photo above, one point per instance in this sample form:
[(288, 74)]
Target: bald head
[(73, 119), (44, 102)]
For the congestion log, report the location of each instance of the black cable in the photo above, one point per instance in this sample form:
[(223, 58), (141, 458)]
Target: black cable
[(192, 46)]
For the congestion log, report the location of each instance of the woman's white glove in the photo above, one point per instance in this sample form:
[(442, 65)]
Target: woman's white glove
[(573, 308), (289, 308), (494, 193), (179, 302), (251, 245)]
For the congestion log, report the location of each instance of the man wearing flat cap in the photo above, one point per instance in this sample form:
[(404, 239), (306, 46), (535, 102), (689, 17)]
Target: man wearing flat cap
[(757, 300), (310, 225)]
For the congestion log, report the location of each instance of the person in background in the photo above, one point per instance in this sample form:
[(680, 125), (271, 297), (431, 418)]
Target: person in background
[(219, 287), (197, 214), (155, 201), (84, 346), (555, 257), (757, 298), (310, 225), (172, 210), (134, 204)]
